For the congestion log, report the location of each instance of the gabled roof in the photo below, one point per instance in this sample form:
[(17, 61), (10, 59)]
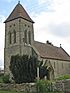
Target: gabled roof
[(49, 51), (19, 12)]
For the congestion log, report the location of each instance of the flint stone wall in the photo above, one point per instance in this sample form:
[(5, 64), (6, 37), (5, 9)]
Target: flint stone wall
[(25, 87), (62, 85)]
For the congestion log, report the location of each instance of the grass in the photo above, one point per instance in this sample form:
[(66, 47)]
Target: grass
[(10, 92), (63, 77), (22, 92)]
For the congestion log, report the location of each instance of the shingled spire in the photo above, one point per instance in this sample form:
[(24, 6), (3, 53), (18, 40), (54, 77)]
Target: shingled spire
[(19, 12)]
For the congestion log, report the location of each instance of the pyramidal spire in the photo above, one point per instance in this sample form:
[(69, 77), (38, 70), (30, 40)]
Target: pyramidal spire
[(19, 12)]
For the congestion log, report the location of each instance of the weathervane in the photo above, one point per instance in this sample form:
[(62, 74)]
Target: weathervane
[(19, 2)]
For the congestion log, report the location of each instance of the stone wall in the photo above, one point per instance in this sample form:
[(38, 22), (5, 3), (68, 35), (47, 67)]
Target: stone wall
[(25, 87), (62, 85), (67, 86)]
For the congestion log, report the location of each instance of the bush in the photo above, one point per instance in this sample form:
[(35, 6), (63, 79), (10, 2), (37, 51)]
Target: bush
[(1, 78), (63, 77), (44, 86), (6, 79)]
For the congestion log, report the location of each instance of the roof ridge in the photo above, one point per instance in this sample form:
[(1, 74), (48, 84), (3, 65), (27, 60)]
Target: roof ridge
[(65, 51), (39, 42), (46, 44)]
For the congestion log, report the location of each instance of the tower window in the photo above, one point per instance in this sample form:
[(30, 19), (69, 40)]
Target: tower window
[(14, 36), (25, 25), (28, 26), (29, 35), (13, 24), (19, 20), (10, 26), (10, 38), (54, 65), (62, 65), (25, 34)]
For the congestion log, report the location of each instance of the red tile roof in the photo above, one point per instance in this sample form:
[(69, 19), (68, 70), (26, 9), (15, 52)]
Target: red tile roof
[(19, 12), (51, 52)]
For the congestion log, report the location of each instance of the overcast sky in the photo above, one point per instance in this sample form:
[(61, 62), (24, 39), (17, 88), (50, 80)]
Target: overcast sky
[(51, 17)]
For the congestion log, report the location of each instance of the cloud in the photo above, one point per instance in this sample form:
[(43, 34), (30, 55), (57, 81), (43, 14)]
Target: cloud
[(1, 62), (60, 30), (2, 33), (44, 1), (54, 25), (2, 57), (51, 23), (8, 1)]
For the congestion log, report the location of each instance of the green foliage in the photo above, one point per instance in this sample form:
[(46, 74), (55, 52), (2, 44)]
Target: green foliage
[(23, 68), (44, 86), (1, 78), (6, 79), (63, 77)]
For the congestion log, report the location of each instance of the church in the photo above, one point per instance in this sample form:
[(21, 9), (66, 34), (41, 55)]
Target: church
[(19, 39)]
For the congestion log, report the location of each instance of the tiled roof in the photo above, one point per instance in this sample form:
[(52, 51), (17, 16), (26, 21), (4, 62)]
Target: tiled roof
[(19, 12), (51, 52)]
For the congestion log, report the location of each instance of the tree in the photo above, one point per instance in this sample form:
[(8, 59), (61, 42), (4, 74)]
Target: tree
[(23, 68)]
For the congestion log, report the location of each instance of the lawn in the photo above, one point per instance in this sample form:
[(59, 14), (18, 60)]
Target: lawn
[(22, 92), (9, 92)]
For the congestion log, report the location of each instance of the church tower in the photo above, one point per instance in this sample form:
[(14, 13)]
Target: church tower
[(19, 35)]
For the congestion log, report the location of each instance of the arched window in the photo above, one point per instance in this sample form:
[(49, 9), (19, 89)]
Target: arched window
[(54, 65), (62, 65), (14, 36), (25, 35), (29, 36), (10, 38)]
